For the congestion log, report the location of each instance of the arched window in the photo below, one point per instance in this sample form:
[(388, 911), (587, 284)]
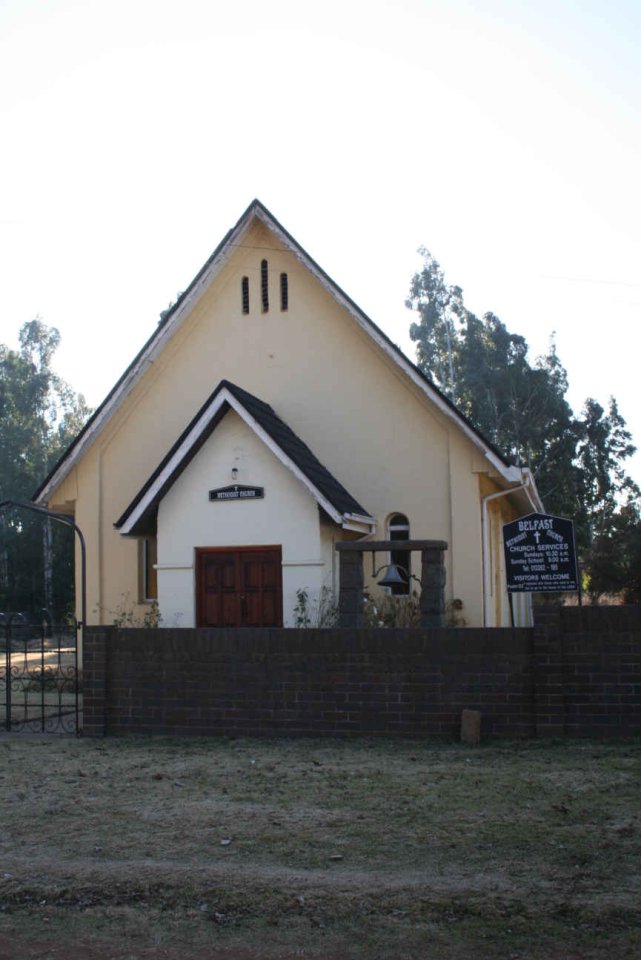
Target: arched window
[(245, 294), (398, 528), (284, 292)]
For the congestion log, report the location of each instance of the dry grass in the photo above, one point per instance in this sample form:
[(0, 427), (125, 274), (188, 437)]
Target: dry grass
[(354, 849)]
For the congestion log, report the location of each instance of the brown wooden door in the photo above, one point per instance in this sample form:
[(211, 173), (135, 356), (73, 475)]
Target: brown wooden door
[(239, 588)]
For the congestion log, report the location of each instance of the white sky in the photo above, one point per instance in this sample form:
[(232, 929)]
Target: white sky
[(503, 135)]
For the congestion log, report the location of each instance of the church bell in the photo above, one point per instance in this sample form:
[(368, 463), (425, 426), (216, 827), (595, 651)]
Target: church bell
[(393, 577)]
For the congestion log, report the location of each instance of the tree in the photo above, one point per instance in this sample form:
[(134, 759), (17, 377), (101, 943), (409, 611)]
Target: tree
[(440, 306), (39, 416), (521, 407), (604, 443), (614, 561)]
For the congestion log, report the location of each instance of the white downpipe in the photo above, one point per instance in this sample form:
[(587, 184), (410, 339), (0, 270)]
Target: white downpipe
[(485, 536)]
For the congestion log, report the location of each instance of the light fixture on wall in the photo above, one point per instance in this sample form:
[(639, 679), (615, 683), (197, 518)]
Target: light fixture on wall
[(234, 473)]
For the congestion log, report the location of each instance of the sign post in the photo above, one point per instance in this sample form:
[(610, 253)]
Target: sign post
[(540, 555)]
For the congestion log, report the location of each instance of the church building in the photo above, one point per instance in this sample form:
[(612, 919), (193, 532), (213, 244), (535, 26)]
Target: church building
[(265, 420)]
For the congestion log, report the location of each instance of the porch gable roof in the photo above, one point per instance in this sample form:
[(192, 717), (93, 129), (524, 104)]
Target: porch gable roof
[(139, 517)]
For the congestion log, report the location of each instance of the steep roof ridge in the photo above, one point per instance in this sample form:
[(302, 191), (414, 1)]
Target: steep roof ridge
[(154, 343), (174, 316), (375, 331)]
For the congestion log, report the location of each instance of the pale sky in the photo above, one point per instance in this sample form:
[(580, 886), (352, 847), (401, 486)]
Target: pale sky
[(503, 135)]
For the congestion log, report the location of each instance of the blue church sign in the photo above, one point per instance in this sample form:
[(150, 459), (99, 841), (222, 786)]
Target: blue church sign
[(540, 555)]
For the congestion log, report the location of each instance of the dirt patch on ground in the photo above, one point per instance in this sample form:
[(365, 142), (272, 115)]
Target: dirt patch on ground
[(240, 850), (47, 950)]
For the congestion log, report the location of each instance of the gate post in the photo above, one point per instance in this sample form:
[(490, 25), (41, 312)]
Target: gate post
[(94, 699)]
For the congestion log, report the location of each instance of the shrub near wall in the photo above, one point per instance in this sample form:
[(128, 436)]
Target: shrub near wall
[(577, 673)]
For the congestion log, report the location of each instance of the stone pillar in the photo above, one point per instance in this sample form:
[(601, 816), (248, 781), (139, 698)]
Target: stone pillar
[(432, 601), (350, 597)]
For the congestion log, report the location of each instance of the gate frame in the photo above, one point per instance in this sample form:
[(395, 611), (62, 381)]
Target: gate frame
[(67, 521), (29, 724)]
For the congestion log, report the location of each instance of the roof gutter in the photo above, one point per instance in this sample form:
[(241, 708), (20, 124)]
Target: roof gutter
[(527, 485), (360, 524)]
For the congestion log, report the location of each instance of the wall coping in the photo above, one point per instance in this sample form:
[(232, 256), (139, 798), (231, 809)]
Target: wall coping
[(400, 546)]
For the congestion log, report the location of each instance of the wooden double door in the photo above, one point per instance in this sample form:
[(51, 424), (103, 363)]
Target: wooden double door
[(239, 587)]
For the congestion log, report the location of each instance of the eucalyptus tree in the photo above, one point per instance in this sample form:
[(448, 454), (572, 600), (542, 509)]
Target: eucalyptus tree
[(521, 406), (39, 416)]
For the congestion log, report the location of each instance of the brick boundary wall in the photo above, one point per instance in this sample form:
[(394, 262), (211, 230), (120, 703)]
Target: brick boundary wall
[(601, 670), (576, 673)]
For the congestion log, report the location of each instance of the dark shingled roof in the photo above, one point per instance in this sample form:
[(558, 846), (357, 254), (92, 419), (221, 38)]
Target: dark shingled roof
[(282, 435)]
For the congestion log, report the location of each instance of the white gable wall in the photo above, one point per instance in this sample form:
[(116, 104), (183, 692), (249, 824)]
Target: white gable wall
[(287, 516)]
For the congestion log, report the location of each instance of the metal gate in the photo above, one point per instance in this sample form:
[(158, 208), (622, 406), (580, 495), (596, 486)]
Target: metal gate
[(39, 676)]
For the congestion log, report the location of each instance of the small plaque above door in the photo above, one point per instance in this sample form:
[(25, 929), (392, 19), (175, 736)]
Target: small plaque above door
[(236, 492)]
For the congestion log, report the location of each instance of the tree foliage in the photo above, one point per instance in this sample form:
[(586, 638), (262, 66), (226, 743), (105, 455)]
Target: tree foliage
[(615, 556), (39, 416), (520, 405)]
